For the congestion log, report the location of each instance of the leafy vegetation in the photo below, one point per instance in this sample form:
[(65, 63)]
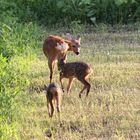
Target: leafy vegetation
[(89, 11), (112, 109), (17, 49)]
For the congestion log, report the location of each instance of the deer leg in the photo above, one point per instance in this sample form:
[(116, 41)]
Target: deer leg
[(52, 109), (69, 85), (48, 104), (62, 87), (86, 86), (58, 107), (51, 70), (82, 91), (58, 102), (51, 64), (48, 107)]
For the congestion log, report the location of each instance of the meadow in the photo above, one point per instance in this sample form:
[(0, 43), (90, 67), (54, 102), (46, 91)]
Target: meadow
[(110, 31), (112, 110)]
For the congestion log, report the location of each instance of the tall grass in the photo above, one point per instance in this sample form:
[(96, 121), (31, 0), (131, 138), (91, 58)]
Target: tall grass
[(17, 49), (112, 109), (110, 112)]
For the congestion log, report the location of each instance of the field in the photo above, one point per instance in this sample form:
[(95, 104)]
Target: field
[(110, 31), (112, 109)]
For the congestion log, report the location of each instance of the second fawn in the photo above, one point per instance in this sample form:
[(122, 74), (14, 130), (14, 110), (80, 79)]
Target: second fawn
[(53, 95), (72, 70)]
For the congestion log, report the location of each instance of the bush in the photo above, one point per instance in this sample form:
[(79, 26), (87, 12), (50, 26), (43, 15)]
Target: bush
[(66, 11), (16, 39), (13, 82), (18, 42)]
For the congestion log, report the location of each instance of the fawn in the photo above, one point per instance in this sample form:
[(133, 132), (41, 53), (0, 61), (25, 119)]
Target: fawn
[(55, 47), (72, 70), (53, 96)]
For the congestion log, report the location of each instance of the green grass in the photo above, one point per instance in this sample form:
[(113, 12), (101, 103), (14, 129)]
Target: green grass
[(112, 110)]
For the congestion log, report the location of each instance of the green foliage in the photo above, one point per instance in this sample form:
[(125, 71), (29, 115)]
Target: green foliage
[(67, 11), (18, 42), (13, 80), (113, 11), (16, 39)]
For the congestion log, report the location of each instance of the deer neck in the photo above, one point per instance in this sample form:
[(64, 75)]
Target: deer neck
[(69, 44)]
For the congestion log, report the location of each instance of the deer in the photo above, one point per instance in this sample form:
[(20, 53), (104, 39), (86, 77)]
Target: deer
[(55, 47), (75, 70), (53, 96)]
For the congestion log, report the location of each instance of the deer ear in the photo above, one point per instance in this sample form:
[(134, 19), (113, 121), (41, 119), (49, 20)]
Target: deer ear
[(68, 36), (78, 38)]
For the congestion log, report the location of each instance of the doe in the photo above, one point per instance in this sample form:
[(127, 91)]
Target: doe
[(55, 47)]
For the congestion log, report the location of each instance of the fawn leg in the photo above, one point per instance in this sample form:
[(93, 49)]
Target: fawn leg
[(52, 109), (48, 107), (82, 91), (62, 87), (58, 102), (69, 85), (86, 86)]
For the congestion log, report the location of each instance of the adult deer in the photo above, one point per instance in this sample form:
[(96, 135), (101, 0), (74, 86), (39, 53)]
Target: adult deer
[(55, 48)]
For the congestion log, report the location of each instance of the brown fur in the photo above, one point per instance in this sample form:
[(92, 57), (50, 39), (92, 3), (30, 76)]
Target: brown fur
[(53, 53), (79, 70), (53, 95)]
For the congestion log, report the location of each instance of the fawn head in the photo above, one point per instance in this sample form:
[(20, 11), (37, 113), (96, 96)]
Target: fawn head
[(74, 43)]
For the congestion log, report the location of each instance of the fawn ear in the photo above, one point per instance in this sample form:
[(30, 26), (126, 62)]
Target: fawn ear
[(68, 36), (78, 38)]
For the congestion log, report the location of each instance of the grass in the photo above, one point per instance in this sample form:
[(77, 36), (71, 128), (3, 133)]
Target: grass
[(112, 110)]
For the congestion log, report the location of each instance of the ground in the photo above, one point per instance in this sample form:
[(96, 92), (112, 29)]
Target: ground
[(112, 109)]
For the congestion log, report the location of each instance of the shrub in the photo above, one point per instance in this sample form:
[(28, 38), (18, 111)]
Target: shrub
[(66, 11), (16, 39)]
